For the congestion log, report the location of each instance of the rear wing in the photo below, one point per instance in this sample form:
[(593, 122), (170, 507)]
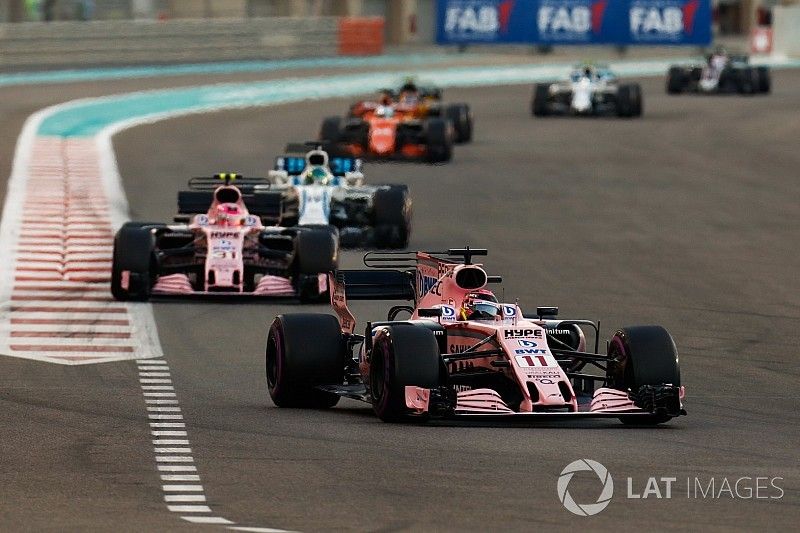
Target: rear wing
[(256, 195), (392, 276), (247, 185)]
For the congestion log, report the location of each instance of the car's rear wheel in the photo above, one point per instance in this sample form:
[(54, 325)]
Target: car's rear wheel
[(676, 80), (133, 262), (304, 351), (402, 355), (746, 81), (316, 253), (438, 140), (392, 217), (764, 79), (541, 95), (629, 100), (643, 355), (461, 118)]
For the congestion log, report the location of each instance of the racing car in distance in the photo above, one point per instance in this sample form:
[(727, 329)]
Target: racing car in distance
[(721, 73), (589, 90), (404, 129), (461, 353), (222, 247), (426, 102), (320, 190)]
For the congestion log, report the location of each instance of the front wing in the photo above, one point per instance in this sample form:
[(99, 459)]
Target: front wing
[(268, 287), (605, 403)]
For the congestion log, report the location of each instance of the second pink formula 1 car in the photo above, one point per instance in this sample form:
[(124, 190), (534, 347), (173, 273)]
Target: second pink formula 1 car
[(461, 353), (228, 243)]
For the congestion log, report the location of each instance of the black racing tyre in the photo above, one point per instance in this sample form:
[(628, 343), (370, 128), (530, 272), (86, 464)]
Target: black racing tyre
[(541, 95), (331, 129), (134, 258), (391, 208), (316, 252), (461, 118), (297, 362), (629, 100), (676, 80), (439, 140), (746, 81), (764, 79), (402, 355), (643, 355)]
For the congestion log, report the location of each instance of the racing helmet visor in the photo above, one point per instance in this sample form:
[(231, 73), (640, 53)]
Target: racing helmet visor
[(483, 310)]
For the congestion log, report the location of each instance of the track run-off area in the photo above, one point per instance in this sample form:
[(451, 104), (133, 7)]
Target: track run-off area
[(685, 218)]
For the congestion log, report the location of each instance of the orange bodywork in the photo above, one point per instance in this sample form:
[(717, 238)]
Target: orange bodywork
[(382, 138)]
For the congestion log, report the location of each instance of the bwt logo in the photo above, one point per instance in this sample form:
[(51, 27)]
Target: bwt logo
[(571, 18), (486, 18), (663, 20)]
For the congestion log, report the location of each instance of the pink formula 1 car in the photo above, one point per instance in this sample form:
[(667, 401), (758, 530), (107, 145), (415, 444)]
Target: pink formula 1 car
[(229, 243), (461, 353)]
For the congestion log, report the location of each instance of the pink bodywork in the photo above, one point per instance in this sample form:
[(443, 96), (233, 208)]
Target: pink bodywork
[(224, 256), (524, 341)]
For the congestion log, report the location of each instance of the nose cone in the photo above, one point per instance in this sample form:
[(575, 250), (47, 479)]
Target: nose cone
[(582, 97), (382, 136)]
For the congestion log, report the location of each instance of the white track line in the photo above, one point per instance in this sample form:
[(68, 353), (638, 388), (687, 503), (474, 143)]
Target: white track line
[(182, 489)]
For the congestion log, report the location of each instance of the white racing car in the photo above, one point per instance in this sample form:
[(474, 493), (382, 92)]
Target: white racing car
[(319, 189), (590, 90)]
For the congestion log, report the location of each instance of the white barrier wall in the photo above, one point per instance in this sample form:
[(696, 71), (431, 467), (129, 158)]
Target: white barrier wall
[(786, 30), (34, 44)]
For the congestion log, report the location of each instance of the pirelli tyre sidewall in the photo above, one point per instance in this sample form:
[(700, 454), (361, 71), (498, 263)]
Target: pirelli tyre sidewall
[(402, 355), (297, 362), (134, 258), (643, 355)]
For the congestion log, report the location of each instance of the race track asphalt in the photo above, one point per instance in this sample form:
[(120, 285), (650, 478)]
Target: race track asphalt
[(688, 217)]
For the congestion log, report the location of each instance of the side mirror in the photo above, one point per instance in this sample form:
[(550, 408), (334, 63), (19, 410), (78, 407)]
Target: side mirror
[(494, 279), (430, 312), (547, 312)]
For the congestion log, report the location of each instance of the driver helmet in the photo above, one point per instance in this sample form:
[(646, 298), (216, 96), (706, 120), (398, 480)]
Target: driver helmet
[(317, 176), (228, 214), (479, 304), (385, 98), (384, 111), (587, 71)]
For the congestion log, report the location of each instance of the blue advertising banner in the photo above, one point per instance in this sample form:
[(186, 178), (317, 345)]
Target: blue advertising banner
[(616, 22)]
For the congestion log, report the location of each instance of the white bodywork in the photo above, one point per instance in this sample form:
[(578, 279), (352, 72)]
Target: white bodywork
[(314, 194), (583, 86)]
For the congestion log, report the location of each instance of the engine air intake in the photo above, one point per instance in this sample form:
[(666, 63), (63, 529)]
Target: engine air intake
[(471, 278)]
